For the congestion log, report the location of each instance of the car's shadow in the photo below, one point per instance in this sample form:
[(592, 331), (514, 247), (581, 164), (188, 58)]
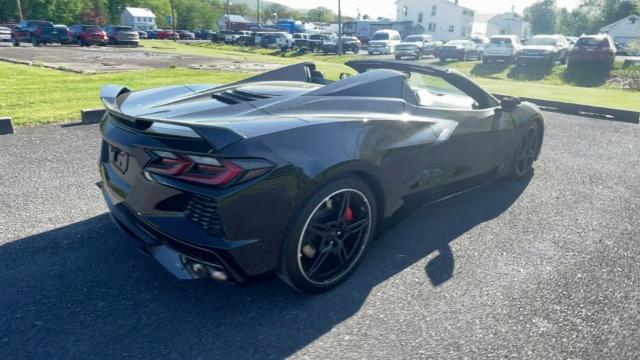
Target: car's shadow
[(81, 291)]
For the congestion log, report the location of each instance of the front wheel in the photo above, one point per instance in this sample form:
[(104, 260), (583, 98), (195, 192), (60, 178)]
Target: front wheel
[(16, 42), (327, 239), (527, 150)]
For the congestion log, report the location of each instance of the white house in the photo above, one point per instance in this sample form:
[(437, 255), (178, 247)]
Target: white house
[(139, 18), (624, 30), (443, 19), (508, 23)]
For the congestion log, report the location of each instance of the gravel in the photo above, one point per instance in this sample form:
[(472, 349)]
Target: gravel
[(546, 267)]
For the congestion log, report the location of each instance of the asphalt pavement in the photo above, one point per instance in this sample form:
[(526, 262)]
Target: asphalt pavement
[(546, 267)]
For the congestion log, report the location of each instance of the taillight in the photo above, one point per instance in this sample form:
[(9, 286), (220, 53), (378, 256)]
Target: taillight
[(206, 169), (68, 33)]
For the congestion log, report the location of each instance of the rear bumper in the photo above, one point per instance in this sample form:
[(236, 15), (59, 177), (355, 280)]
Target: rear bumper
[(408, 53), (379, 50), (171, 253)]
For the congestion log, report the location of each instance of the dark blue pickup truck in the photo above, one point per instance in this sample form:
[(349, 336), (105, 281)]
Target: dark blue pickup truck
[(38, 33)]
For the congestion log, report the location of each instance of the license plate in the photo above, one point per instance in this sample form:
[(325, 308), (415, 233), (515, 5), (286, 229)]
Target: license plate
[(119, 158)]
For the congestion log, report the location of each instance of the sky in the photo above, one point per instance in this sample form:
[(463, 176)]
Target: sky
[(386, 8)]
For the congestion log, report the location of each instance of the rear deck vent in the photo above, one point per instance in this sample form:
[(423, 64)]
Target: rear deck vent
[(235, 96)]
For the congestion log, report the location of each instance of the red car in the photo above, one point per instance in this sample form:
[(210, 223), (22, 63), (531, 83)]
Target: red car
[(86, 35), (593, 49), (167, 35)]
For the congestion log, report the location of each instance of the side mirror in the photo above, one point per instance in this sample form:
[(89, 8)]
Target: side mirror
[(344, 76), (509, 103)]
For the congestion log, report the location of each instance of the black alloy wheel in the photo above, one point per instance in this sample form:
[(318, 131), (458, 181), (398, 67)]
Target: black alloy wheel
[(329, 236), (527, 151)]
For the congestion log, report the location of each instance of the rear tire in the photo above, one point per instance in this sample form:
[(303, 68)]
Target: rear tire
[(329, 235), (527, 150), (16, 43)]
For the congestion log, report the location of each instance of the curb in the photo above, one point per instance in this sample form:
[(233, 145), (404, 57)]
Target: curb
[(6, 126), (569, 108), (91, 116)]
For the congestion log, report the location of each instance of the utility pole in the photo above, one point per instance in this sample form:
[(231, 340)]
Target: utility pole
[(173, 22), (258, 6), (19, 9), (228, 18), (339, 29)]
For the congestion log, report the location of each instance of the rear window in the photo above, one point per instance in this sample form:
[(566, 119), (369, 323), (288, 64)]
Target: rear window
[(381, 36), (123, 28), (315, 37), (543, 41), (414, 39), (500, 41), (40, 23), (593, 42), (91, 28)]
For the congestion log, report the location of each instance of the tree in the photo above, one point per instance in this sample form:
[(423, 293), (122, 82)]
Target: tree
[(241, 9), (321, 14), (541, 15)]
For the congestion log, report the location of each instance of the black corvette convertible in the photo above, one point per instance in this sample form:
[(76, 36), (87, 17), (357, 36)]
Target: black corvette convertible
[(287, 173)]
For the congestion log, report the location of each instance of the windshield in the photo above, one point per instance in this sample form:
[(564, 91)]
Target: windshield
[(414, 39), (381, 36), (545, 41), (92, 28), (593, 42), (123, 28), (500, 41)]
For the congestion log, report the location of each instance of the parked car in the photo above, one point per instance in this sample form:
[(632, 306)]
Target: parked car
[(593, 49), (186, 35), (349, 43), (38, 33), (301, 40), (152, 34), (482, 41), (232, 38), (220, 36), (283, 40), (5, 34), (284, 177), (547, 49), (64, 34), (502, 48), (167, 35), (204, 34), (415, 46), (122, 35), (384, 42), (462, 50), (246, 39), (86, 35), (143, 34), (317, 40)]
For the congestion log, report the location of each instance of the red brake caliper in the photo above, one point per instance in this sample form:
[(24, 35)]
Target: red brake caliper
[(348, 215)]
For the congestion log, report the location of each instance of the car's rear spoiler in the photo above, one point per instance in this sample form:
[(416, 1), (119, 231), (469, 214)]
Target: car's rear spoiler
[(216, 136)]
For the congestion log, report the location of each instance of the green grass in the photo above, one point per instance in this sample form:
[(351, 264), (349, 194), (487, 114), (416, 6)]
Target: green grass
[(538, 82), (34, 95)]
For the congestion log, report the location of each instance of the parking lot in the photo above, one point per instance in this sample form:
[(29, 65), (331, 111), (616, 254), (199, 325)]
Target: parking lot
[(100, 59), (545, 267)]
